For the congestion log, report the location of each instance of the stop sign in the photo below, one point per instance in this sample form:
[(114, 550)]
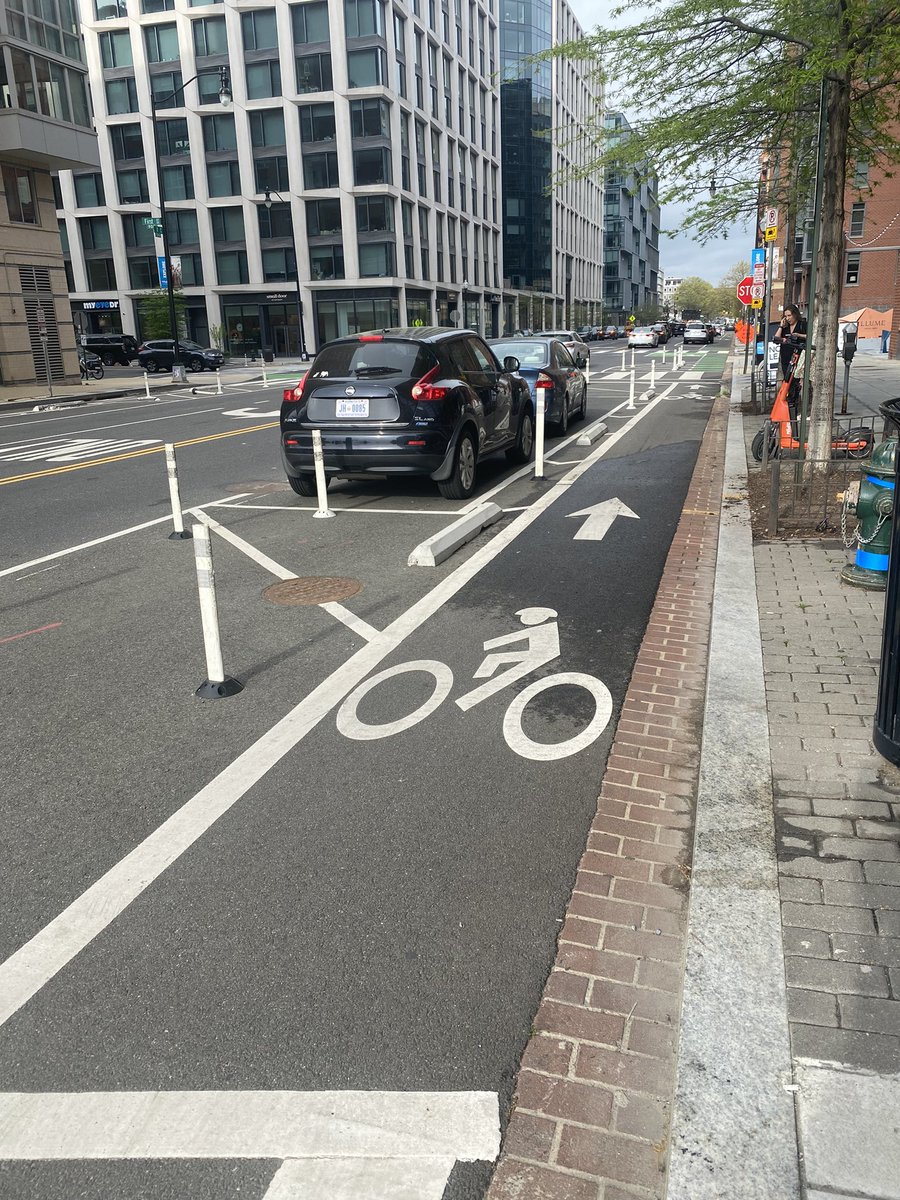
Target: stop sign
[(743, 289)]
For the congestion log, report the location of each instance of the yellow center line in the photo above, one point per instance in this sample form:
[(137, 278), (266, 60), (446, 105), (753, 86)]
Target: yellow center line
[(99, 462)]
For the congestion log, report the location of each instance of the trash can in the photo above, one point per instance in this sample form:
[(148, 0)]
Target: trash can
[(886, 733), (268, 355)]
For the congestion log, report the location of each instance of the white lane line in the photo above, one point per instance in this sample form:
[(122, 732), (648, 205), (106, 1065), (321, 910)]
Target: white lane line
[(353, 1178), (44, 1126), (26, 971), (311, 508), (367, 632), (51, 437), (109, 537), (529, 467), (40, 572)]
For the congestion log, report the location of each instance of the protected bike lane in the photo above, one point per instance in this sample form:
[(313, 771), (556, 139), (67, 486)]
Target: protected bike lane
[(371, 899)]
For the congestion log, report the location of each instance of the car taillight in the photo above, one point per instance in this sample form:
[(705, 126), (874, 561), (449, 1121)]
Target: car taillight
[(293, 395), (371, 337), (426, 390), (543, 381)]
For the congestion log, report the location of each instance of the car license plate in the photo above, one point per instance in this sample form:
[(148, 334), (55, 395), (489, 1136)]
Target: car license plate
[(352, 408)]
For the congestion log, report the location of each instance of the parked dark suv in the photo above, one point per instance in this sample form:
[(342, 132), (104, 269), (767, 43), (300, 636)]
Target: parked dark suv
[(160, 355), (113, 349), (406, 402)]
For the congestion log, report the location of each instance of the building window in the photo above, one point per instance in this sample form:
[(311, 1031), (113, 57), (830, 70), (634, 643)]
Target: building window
[(320, 170), (135, 231), (108, 10), (219, 133), (267, 127), (371, 166), (101, 273), (363, 18), (861, 175), (64, 236), (852, 275), (143, 273), (274, 222), (165, 89), (310, 22), (370, 118), (21, 196), (173, 137), (208, 85), (323, 217), (857, 220), (178, 183), (223, 179), (314, 73), (95, 233), (375, 214), (203, 3), (182, 227), (227, 224), (278, 264), (376, 258), (231, 266), (162, 43), (115, 48), (121, 96), (263, 79), (89, 191), (210, 37), (127, 142), (367, 68), (133, 187), (192, 264), (156, 6), (326, 262), (316, 123), (258, 28), (272, 173)]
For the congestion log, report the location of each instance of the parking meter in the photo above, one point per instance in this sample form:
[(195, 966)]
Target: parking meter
[(851, 330)]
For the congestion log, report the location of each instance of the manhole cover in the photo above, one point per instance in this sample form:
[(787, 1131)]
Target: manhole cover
[(256, 486), (312, 589)]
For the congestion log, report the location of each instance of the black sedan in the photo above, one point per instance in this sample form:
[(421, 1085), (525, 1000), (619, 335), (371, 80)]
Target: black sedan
[(160, 355), (552, 377)]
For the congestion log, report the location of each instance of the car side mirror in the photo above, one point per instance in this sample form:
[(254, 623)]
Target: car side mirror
[(510, 363)]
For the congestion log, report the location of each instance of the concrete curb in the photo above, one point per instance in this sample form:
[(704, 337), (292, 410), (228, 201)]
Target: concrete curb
[(76, 400), (436, 549), (593, 434)]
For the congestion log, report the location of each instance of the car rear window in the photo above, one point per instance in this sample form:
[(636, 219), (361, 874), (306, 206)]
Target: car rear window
[(372, 360), (529, 354)]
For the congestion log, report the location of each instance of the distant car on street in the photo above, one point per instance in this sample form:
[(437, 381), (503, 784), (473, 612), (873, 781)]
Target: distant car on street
[(113, 349), (573, 344), (662, 332), (552, 377), (160, 356), (620, 330), (612, 332), (643, 335), (406, 401), (695, 333)]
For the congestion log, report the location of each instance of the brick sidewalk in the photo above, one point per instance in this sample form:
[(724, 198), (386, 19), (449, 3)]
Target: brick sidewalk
[(595, 1091)]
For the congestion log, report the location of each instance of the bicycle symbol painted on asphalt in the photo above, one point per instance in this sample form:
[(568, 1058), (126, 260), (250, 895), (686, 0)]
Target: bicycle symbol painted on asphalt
[(541, 646)]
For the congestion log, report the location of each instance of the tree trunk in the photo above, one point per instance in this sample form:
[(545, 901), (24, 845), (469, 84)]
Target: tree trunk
[(790, 233), (823, 336)]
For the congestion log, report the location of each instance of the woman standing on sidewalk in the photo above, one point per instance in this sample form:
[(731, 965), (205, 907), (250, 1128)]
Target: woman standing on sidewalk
[(789, 334)]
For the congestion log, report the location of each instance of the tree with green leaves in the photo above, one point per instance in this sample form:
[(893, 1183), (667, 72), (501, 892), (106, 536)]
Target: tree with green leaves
[(727, 303), (728, 101), (155, 318), (695, 295)]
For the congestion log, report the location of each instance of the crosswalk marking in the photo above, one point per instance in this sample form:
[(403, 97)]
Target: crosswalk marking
[(65, 450)]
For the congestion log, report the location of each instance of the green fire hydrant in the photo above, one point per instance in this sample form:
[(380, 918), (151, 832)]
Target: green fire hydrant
[(872, 500)]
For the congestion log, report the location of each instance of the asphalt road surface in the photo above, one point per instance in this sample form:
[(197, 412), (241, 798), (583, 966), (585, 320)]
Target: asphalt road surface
[(290, 943)]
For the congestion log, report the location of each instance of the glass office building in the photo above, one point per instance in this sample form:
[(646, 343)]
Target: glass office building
[(631, 238)]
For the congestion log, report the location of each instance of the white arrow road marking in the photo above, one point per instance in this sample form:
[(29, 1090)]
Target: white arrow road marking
[(249, 412), (599, 518), (344, 1145)]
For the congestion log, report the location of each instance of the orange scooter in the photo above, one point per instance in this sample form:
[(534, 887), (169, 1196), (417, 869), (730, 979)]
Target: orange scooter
[(855, 442)]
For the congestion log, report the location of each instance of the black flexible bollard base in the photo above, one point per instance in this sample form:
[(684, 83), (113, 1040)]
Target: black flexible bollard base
[(208, 690), (184, 536)]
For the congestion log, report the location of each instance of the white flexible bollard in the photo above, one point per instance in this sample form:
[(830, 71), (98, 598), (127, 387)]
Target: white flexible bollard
[(623, 358), (265, 377), (665, 347), (218, 382), (179, 533), (632, 360), (217, 684), (652, 375), (147, 385), (630, 404), (539, 420), (321, 485)]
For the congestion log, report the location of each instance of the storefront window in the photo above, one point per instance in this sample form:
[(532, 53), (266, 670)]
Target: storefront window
[(336, 318)]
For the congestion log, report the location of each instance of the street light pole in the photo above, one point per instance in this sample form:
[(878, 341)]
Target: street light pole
[(268, 203), (224, 100)]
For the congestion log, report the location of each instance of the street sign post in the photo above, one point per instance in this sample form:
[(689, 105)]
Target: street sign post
[(770, 216), (771, 233), (743, 289), (757, 304), (757, 291)]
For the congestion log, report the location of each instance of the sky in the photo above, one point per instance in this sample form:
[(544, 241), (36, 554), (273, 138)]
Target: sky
[(679, 256)]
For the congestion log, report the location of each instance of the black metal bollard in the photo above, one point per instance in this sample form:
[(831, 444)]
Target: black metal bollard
[(886, 733)]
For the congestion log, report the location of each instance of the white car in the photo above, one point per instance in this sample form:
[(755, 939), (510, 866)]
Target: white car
[(695, 332), (573, 343), (643, 335)]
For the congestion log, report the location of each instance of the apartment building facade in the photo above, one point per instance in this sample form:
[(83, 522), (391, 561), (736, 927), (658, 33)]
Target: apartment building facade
[(45, 125), (360, 156), (552, 217), (631, 236)]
